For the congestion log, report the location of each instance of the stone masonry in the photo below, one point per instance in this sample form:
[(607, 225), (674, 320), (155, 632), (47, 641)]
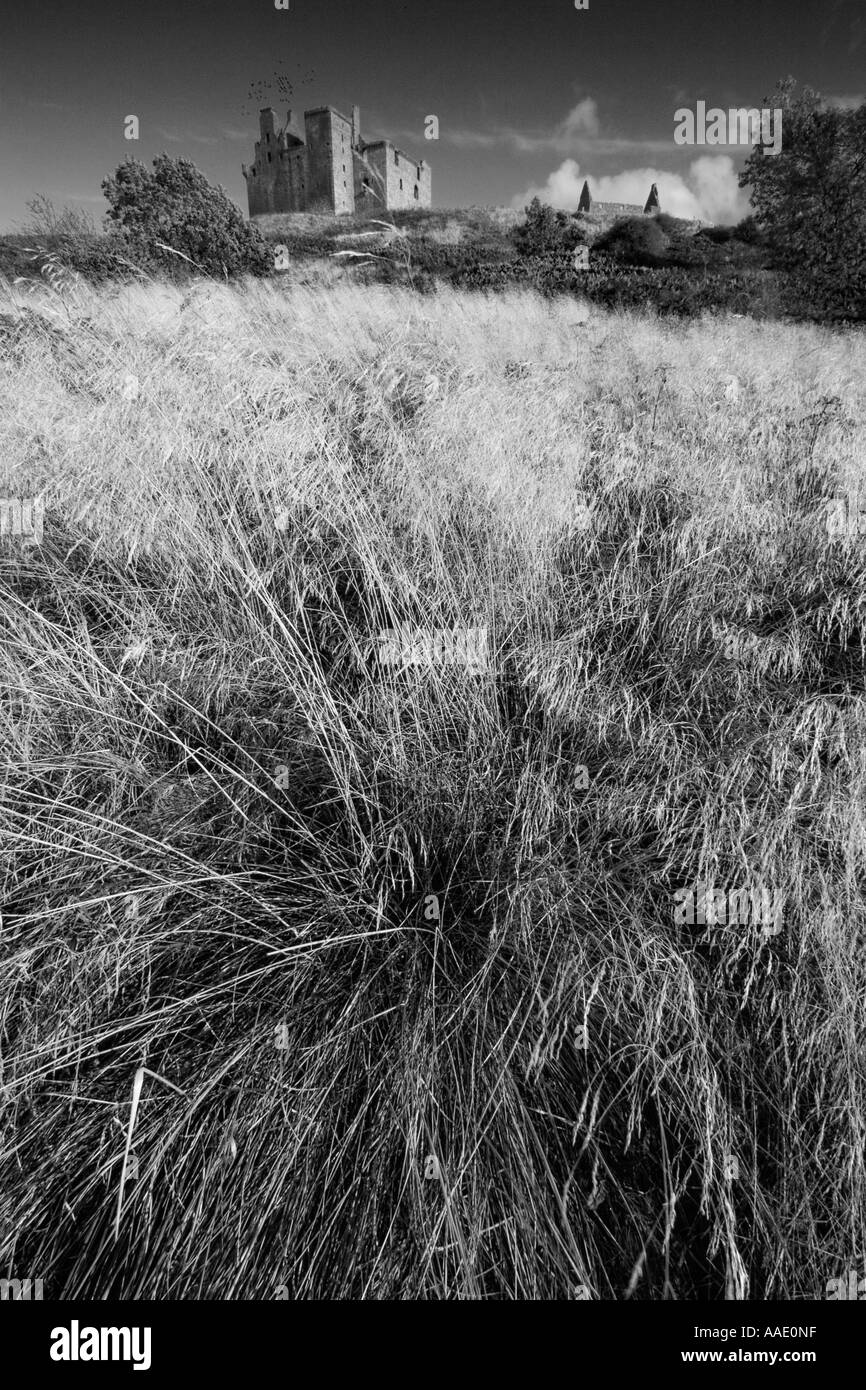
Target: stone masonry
[(652, 205), (329, 168)]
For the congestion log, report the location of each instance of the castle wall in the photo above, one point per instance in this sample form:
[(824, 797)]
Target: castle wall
[(295, 166), (260, 190), (320, 186), (273, 177), (370, 180), (403, 177), (344, 164), (330, 172)]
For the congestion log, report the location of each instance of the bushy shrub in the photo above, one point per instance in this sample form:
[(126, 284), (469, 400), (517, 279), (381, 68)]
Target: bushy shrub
[(437, 259), (546, 230), (668, 289), (749, 232), (16, 257), (669, 225), (96, 258), (719, 235), (174, 213), (549, 274), (65, 237), (316, 245), (635, 241), (673, 290)]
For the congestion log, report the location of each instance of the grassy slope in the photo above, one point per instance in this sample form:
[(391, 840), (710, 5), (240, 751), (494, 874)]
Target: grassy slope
[(300, 467), (464, 223)]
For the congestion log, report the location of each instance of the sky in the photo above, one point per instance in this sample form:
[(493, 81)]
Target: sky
[(532, 96)]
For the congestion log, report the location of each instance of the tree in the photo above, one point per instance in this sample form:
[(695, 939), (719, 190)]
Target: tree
[(175, 207), (546, 230), (810, 199)]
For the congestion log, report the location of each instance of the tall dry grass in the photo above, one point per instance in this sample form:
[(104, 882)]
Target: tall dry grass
[(232, 1038)]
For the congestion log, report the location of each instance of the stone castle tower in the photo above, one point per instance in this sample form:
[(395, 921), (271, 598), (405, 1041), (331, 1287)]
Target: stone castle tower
[(328, 168)]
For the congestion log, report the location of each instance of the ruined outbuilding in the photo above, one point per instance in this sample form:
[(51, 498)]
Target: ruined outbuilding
[(587, 205)]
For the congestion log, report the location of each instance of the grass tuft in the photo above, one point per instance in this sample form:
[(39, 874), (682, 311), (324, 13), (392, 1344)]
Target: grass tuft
[(385, 999)]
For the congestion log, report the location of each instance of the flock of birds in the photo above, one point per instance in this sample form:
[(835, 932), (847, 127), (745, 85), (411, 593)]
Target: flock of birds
[(279, 83)]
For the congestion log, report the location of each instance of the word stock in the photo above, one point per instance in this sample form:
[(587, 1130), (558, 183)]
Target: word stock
[(22, 517), (720, 907), (406, 647)]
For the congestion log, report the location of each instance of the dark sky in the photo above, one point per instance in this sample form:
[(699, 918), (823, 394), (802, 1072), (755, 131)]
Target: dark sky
[(531, 95)]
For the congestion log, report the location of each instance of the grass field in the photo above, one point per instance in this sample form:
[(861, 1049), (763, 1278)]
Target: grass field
[(452, 224), (240, 1051)]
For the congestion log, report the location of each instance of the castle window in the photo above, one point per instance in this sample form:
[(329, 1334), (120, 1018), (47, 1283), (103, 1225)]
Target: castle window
[(396, 157), (401, 183), (416, 190), (269, 157)]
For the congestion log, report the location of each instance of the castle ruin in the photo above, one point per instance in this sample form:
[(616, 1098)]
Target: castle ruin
[(329, 168), (587, 205)]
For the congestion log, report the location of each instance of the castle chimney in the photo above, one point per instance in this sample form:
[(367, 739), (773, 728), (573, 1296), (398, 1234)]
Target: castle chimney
[(356, 125)]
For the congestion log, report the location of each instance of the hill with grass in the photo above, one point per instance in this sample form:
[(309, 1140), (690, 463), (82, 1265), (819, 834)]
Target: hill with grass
[(338, 976)]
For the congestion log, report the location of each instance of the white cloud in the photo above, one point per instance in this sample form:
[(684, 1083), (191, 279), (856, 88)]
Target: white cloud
[(581, 124), (562, 189), (579, 129), (582, 118), (717, 191), (709, 191)]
